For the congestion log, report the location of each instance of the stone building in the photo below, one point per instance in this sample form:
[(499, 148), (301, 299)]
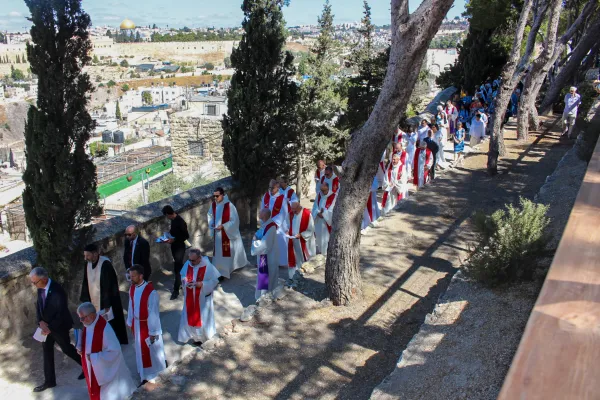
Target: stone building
[(196, 144)]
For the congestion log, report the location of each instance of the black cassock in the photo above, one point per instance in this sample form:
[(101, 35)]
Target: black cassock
[(109, 297)]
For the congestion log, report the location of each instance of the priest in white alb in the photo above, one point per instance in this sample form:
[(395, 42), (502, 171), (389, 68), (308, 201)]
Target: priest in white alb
[(395, 188), (422, 165), (301, 234), (224, 225), (381, 170), (322, 214), (199, 278), (106, 373), (264, 247), (319, 173), (288, 192), (275, 201), (331, 179), (372, 211), (143, 318)]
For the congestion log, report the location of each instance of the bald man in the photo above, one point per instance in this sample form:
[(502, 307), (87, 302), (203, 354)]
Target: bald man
[(301, 238), (137, 251)]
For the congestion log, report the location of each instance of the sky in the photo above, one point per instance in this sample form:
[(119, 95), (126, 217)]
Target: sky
[(206, 13)]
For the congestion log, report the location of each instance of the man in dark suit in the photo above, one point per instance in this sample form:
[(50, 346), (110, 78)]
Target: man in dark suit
[(180, 234), (54, 319), (137, 251)]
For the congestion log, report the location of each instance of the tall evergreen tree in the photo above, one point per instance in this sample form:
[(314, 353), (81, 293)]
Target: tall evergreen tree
[(118, 111), (363, 89), (321, 101), (259, 127), (60, 179)]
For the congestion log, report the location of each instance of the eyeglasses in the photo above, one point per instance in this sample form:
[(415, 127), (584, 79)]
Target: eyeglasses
[(84, 317), (129, 234), (36, 282), (216, 196)]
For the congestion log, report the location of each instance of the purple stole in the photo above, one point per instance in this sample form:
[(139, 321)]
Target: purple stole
[(263, 265)]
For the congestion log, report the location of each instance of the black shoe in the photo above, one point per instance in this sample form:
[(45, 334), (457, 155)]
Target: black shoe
[(81, 376), (174, 295), (196, 344), (43, 387), (143, 383), (222, 278)]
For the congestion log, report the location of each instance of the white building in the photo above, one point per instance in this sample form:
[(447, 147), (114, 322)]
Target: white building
[(214, 106), (171, 95)]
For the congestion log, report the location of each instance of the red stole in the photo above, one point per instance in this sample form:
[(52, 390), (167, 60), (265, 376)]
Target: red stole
[(370, 206), (328, 204), (416, 166), (303, 226), (97, 340), (143, 320), (276, 206), (288, 195), (389, 176), (192, 297), (225, 242), (335, 183)]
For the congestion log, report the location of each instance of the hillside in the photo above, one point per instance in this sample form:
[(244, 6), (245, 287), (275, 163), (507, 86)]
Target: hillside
[(12, 121)]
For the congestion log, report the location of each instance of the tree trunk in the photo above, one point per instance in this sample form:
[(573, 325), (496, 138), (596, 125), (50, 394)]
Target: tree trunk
[(299, 175), (570, 68), (534, 118), (411, 35), (553, 48), (511, 74)]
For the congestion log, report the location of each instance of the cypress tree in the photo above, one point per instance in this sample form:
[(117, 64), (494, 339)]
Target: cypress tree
[(259, 128), (118, 111), (60, 179)]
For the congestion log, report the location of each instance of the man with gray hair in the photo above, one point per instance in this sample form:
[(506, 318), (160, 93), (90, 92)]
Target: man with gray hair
[(572, 102), (198, 278), (106, 373), (264, 247), (55, 322)]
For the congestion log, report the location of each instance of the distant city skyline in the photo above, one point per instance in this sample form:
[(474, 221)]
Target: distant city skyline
[(194, 14)]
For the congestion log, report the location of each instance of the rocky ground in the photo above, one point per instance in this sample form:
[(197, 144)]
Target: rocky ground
[(301, 347)]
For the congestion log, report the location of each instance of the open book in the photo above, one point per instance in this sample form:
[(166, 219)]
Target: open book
[(164, 238)]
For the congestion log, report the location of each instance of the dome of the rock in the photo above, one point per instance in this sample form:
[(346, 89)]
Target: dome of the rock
[(127, 24)]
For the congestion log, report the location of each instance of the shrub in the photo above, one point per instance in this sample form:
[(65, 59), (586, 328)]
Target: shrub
[(511, 243)]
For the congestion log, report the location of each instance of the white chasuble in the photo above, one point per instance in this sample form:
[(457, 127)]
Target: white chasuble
[(229, 253), (264, 247), (323, 205)]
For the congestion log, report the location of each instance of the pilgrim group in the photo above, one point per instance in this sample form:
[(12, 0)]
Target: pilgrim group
[(289, 236)]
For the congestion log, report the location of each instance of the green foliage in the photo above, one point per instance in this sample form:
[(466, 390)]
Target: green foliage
[(169, 186), (227, 62), (124, 64), (125, 87), (321, 98), (209, 66), (16, 74), (110, 83), (98, 149), (101, 85), (183, 36), (95, 60), (259, 127), (447, 41), (485, 50), (147, 97), (511, 243), (364, 89), (60, 179), (118, 111)]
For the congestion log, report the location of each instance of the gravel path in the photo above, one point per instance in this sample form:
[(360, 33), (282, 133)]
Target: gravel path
[(301, 347)]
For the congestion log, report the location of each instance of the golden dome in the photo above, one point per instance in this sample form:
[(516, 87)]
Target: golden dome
[(127, 24)]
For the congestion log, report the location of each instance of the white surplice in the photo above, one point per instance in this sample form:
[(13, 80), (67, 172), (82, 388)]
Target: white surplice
[(423, 161), (290, 196), (281, 219), (322, 223), (112, 374), (309, 237), (380, 170), (394, 187), (422, 132), (411, 147), (157, 349), (210, 282), (440, 139), (267, 245), (319, 173), (371, 214), (93, 276), (238, 259)]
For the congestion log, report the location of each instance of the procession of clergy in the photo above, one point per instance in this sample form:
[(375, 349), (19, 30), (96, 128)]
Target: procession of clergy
[(289, 236)]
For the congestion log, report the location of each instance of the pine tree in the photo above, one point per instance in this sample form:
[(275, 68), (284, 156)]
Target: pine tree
[(321, 101), (118, 111), (259, 127), (18, 59), (363, 89), (60, 179)]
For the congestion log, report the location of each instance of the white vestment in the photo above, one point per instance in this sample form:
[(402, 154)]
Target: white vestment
[(333, 183), (394, 186), (290, 197), (477, 131), (93, 276), (112, 374), (421, 166), (318, 175), (157, 349), (380, 170), (210, 281), (282, 220), (440, 139), (322, 223), (371, 214), (237, 260), (422, 132), (411, 147), (309, 238), (266, 245)]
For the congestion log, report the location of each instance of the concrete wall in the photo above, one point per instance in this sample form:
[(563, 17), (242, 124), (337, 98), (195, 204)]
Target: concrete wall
[(18, 297), (189, 126)]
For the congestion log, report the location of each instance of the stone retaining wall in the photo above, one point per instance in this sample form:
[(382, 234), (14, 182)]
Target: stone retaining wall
[(18, 298)]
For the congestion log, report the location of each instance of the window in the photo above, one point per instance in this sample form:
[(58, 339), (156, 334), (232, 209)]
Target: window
[(196, 148), (211, 110)]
